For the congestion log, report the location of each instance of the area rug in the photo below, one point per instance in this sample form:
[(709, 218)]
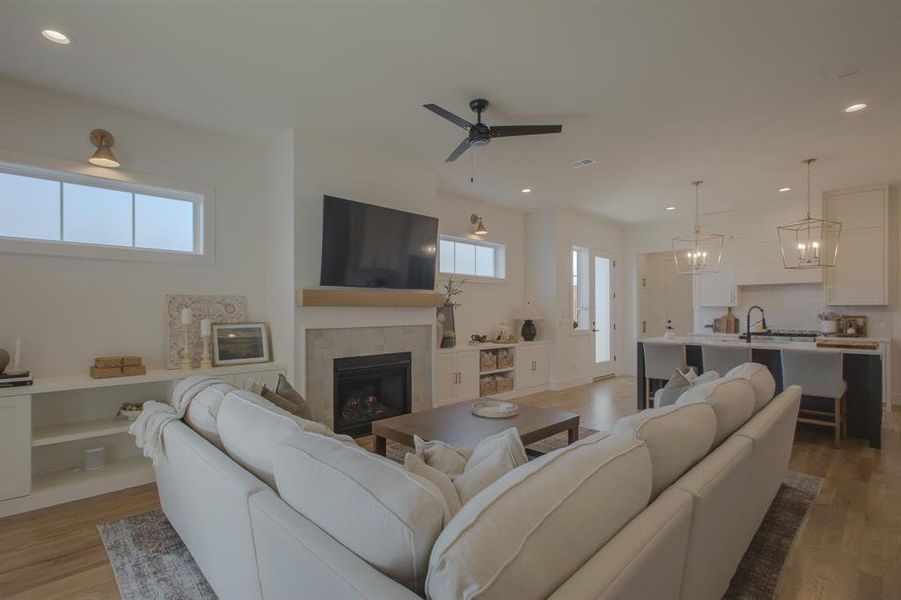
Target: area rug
[(758, 573), (151, 562)]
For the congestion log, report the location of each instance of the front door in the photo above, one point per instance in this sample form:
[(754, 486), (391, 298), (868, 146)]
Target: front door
[(602, 314)]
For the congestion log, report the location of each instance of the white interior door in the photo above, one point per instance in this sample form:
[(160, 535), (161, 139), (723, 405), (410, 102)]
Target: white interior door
[(602, 313)]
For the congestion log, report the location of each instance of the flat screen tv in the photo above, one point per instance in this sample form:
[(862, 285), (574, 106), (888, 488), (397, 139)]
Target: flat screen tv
[(375, 247)]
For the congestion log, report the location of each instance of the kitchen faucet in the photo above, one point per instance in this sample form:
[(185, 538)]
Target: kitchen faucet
[(749, 324)]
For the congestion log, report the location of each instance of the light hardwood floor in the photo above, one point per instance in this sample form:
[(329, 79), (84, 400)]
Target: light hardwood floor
[(849, 546)]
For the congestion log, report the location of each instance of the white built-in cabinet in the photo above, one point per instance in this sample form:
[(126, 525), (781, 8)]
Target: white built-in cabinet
[(532, 366), (46, 427), (456, 376), (458, 371), (861, 272)]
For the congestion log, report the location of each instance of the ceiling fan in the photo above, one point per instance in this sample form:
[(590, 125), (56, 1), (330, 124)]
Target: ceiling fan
[(480, 133)]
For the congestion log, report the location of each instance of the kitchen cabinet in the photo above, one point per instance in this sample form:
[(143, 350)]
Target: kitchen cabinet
[(861, 272), (532, 365), (15, 447), (457, 376)]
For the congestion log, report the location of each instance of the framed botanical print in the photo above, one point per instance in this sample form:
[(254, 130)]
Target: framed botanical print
[(240, 343)]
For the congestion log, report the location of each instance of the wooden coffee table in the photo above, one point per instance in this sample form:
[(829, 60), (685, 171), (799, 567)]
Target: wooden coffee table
[(457, 426)]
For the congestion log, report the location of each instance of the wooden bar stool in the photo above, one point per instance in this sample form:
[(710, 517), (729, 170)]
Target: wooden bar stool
[(819, 373), (722, 358), (660, 362)]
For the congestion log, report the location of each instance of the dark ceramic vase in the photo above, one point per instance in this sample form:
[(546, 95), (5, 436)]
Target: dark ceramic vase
[(528, 331)]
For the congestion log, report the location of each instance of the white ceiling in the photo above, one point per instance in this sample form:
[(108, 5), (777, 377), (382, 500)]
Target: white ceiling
[(659, 93)]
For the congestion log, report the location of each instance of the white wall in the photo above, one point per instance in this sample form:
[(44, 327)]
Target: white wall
[(486, 304), (69, 310)]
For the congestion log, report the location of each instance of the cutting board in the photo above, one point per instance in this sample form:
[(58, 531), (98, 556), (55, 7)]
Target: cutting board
[(844, 344), (728, 323)]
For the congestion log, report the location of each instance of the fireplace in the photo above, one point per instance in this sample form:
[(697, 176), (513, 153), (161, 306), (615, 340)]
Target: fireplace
[(369, 388)]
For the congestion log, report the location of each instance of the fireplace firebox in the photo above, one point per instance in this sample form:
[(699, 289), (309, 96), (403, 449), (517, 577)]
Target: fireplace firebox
[(369, 388)]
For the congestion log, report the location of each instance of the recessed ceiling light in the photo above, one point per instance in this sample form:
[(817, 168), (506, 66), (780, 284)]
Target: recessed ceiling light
[(856, 107), (57, 37), (670, 208), (785, 189), (526, 190)]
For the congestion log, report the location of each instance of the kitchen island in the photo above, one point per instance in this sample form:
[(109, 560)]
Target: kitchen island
[(863, 369)]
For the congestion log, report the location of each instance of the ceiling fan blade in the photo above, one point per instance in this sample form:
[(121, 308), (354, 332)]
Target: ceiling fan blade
[(458, 121), (463, 147), (511, 130)]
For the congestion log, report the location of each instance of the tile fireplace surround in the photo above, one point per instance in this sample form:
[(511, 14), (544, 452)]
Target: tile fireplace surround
[(323, 346)]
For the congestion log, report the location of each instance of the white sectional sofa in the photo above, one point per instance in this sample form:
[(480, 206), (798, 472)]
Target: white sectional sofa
[(663, 507)]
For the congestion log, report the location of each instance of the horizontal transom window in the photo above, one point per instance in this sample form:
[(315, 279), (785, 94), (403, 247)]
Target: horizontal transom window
[(69, 209), (460, 256)]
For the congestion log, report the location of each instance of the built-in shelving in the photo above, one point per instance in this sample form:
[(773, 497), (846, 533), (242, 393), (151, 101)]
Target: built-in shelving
[(497, 371), (77, 430)]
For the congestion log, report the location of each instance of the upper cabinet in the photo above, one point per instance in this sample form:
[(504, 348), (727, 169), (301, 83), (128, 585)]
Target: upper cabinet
[(860, 274), (757, 255)]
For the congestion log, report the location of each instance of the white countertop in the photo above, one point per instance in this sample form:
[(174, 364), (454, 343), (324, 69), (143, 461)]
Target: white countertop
[(488, 346), (733, 340)]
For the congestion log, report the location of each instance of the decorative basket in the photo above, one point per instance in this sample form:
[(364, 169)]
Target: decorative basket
[(504, 384), (487, 360), (487, 386), (504, 358)]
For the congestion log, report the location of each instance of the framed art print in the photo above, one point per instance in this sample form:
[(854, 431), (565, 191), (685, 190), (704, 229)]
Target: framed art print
[(240, 343)]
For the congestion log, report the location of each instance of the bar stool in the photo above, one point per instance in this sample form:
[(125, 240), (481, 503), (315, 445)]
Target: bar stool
[(722, 358), (819, 373), (660, 362)]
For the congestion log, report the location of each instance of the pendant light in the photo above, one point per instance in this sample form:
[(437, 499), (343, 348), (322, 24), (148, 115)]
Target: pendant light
[(700, 251), (810, 243)]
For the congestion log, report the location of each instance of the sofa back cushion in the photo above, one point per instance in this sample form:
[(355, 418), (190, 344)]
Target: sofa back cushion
[(203, 412), (529, 531), (388, 517), (250, 427), (677, 437), (732, 401), (760, 379)]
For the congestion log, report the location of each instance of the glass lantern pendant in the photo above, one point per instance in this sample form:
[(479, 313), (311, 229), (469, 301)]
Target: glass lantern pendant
[(700, 251), (810, 243)]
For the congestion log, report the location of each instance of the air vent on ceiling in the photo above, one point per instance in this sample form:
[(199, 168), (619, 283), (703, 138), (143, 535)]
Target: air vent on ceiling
[(582, 162)]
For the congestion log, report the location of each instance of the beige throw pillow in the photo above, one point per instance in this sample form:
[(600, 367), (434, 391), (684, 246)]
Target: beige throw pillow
[(286, 391), (461, 473)]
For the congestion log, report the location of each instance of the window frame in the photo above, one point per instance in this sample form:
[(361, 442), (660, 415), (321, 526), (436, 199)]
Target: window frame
[(581, 291), (58, 170), (500, 259)]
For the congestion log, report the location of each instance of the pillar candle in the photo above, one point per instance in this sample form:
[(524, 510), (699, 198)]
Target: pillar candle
[(186, 317), (205, 328)]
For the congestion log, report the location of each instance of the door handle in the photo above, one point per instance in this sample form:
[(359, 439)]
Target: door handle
[(644, 326)]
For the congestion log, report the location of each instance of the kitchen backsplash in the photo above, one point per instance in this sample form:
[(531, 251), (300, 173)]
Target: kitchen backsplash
[(794, 306)]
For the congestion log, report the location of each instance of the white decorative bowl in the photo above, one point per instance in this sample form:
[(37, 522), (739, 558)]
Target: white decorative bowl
[(131, 415), (494, 409)]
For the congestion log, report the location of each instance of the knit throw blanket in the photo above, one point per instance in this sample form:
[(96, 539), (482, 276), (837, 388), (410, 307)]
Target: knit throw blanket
[(148, 427)]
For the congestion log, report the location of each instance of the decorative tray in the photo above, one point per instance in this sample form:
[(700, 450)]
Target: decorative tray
[(494, 409)]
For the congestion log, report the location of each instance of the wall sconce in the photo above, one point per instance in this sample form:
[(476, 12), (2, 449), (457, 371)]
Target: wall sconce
[(103, 156), (479, 226)]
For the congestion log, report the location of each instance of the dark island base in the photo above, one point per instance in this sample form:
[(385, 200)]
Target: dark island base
[(863, 372)]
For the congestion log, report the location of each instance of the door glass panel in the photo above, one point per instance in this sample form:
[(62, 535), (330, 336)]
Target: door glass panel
[(602, 337)]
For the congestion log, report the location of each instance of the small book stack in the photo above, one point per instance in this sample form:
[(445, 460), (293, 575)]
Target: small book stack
[(117, 366), (15, 378)]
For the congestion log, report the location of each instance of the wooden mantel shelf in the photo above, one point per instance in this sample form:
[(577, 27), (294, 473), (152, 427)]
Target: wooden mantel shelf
[(367, 297)]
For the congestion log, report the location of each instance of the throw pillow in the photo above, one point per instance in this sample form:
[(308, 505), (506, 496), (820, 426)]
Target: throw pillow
[(670, 393), (283, 403), (492, 458), (286, 391)]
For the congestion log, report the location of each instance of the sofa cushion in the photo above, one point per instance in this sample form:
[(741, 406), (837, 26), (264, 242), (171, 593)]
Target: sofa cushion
[(760, 379), (250, 427), (414, 464), (732, 401), (682, 382), (677, 437), (388, 517), (442, 456), (203, 412), (525, 534)]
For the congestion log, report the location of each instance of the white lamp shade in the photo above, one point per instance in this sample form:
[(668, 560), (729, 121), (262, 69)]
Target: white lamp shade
[(529, 312)]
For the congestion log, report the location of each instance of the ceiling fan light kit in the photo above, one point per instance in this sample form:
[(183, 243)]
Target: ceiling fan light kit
[(700, 251), (809, 243), (480, 134)]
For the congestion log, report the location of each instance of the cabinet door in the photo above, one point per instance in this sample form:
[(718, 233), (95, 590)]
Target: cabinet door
[(468, 368), (15, 447), (540, 365), (858, 276), (524, 367), (445, 379)]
